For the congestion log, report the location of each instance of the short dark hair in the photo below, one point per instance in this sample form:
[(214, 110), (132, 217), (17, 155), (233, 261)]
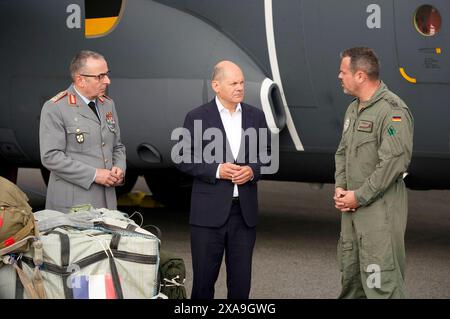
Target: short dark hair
[(363, 59), (79, 61)]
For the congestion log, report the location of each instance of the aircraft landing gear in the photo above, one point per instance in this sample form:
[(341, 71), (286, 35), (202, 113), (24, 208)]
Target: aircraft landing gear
[(170, 187), (130, 180), (9, 172)]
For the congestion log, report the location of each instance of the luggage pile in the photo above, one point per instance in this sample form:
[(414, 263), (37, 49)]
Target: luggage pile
[(86, 254)]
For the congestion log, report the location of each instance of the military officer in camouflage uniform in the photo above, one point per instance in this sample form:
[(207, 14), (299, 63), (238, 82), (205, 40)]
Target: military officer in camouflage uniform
[(371, 161), (80, 139)]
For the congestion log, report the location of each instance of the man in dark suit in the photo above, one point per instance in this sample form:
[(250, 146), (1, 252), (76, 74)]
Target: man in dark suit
[(224, 203)]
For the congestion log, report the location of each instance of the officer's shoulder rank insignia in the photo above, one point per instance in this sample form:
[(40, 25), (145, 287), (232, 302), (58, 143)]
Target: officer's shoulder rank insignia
[(58, 96), (103, 98), (392, 102), (72, 99)]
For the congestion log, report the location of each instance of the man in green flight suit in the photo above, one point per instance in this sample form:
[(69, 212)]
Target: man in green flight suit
[(371, 161)]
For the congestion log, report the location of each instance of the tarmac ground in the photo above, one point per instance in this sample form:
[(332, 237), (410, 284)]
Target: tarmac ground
[(295, 251)]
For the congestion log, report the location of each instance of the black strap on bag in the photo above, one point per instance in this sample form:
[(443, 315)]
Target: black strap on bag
[(65, 259), (19, 285), (114, 273)]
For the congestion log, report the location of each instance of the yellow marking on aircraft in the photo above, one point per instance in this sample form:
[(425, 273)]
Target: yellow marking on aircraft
[(406, 76), (99, 26)]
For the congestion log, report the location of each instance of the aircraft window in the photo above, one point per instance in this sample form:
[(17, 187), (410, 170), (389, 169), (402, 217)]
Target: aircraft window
[(427, 20)]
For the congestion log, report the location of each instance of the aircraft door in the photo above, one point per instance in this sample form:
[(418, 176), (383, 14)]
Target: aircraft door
[(423, 40)]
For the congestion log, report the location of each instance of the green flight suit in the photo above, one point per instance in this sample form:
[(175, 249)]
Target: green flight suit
[(374, 153)]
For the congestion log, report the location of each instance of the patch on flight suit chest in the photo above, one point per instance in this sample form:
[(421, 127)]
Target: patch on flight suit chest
[(365, 126), (346, 124)]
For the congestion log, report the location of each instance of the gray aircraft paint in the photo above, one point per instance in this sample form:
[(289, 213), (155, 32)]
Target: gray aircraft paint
[(161, 54)]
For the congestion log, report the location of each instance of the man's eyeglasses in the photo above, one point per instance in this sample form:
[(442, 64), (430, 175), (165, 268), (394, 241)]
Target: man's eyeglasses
[(99, 77)]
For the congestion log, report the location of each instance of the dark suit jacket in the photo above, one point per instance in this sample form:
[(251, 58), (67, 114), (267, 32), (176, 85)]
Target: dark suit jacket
[(212, 198)]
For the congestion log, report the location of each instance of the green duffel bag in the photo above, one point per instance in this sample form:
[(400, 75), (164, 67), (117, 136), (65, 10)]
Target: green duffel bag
[(173, 275), (17, 223), (19, 234)]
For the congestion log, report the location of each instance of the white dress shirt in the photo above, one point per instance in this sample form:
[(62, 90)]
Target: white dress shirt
[(232, 122)]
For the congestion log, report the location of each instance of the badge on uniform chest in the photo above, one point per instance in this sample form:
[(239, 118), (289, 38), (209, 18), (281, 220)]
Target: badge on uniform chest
[(80, 137), (365, 126), (110, 122)]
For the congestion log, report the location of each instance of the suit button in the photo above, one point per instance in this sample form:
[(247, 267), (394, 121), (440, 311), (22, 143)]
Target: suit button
[(106, 160), (103, 144)]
